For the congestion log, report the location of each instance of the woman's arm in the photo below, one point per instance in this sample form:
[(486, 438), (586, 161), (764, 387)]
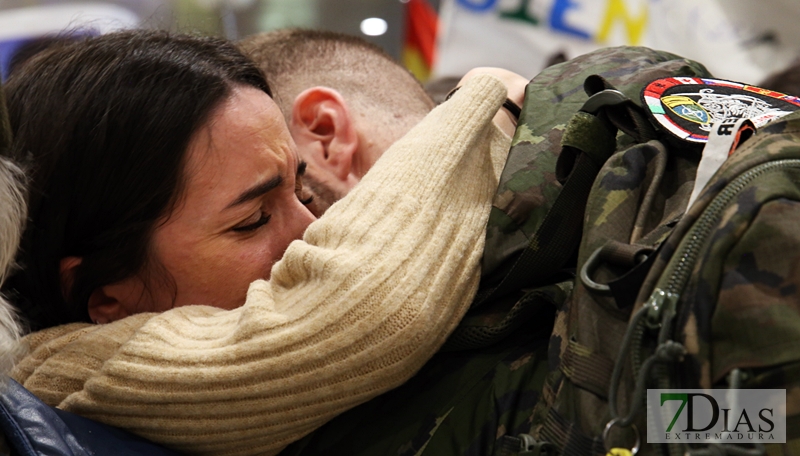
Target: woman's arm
[(353, 310), (505, 120)]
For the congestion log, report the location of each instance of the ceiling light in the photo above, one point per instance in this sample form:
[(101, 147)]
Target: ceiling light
[(374, 26)]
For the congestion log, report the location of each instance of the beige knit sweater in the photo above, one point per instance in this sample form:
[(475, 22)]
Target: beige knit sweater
[(353, 310)]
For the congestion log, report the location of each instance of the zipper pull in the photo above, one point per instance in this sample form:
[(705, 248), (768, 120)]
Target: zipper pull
[(660, 301)]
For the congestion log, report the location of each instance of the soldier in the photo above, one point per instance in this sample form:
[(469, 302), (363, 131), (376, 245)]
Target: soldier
[(345, 101)]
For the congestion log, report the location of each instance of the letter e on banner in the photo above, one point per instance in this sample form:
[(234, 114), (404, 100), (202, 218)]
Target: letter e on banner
[(478, 6)]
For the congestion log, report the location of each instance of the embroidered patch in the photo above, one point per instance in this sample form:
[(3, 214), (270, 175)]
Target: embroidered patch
[(688, 107)]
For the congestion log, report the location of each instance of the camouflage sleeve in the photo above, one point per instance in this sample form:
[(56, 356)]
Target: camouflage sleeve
[(460, 403)]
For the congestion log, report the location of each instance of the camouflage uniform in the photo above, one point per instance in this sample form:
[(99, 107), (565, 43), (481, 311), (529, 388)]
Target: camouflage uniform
[(738, 316), (485, 387), (528, 186), (458, 404), (716, 305), (635, 200)]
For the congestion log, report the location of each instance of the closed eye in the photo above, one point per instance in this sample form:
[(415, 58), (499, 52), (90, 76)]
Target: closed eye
[(262, 220)]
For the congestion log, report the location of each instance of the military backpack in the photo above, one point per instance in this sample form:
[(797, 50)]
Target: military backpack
[(664, 298)]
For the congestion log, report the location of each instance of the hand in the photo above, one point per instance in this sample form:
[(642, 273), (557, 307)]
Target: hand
[(515, 85)]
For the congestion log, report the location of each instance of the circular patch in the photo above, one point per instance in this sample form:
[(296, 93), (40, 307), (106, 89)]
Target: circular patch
[(688, 107)]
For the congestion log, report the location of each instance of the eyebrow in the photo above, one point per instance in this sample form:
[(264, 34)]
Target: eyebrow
[(256, 191)]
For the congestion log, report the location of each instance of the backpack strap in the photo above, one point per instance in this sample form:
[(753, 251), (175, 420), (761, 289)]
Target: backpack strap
[(588, 140), (588, 370), (627, 116), (556, 239), (569, 438), (636, 258), (498, 319)]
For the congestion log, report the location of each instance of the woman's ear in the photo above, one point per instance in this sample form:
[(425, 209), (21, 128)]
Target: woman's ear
[(108, 303), (325, 132), (118, 300)]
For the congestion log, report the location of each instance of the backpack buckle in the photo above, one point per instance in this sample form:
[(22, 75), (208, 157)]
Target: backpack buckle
[(523, 445), (532, 447), (608, 97)]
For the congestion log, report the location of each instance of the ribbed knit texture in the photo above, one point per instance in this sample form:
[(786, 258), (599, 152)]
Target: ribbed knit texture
[(353, 310)]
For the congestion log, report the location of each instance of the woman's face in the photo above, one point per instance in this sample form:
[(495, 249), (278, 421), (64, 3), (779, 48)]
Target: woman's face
[(240, 208)]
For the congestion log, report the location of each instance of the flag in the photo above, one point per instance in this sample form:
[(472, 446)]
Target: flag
[(419, 44)]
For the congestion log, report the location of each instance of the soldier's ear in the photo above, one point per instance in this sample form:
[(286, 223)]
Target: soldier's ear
[(325, 132)]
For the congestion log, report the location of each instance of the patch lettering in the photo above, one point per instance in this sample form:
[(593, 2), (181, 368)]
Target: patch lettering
[(689, 107)]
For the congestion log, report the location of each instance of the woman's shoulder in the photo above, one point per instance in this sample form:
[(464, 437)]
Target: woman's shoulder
[(58, 357)]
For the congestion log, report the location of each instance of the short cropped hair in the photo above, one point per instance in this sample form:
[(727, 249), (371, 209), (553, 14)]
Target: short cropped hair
[(296, 59)]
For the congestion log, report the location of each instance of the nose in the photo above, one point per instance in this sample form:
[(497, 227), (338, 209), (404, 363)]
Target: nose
[(296, 218), (301, 218)]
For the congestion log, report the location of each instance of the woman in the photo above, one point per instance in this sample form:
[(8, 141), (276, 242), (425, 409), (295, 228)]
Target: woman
[(163, 176), (108, 177)]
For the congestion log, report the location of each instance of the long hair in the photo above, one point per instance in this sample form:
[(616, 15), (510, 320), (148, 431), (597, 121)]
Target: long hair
[(104, 124), (12, 218)]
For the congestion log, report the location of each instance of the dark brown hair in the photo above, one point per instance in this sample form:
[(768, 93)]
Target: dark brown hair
[(104, 125)]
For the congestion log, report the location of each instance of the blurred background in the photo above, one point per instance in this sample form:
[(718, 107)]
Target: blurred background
[(741, 40)]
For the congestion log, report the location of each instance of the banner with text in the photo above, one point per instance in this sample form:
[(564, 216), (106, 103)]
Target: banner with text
[(736, 39)]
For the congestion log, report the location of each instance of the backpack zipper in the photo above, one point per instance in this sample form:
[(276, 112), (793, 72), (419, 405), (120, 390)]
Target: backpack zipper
[(702, 228), (660, 309)]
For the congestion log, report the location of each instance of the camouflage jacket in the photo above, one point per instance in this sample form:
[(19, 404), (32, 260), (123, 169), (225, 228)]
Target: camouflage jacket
[(669, 298), (730, 278), (485, 385)]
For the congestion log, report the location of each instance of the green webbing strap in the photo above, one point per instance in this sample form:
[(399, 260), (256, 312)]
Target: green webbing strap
[(587, 370), (558, 236), (475, 331), (589, 134), (630, 118), (568, 439), (5, 124)]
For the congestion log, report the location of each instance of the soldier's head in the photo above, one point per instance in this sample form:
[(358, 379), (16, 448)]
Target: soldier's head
[(345, 101)]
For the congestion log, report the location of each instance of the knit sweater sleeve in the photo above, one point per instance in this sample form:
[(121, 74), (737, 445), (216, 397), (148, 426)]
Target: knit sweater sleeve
[(351, 311)]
